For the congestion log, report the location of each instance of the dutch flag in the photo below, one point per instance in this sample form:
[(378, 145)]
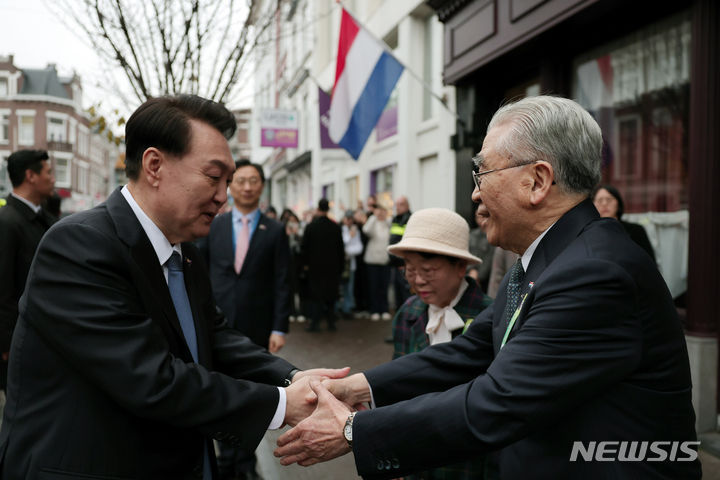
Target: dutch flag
[(365, 76)]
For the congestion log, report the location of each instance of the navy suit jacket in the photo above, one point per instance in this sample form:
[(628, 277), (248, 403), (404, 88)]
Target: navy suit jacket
[(101, 383), (256, 301), (597, 354)]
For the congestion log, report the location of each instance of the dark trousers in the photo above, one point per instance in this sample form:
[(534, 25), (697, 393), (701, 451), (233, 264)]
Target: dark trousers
[(378, 277), (233, 461), (318, 309)]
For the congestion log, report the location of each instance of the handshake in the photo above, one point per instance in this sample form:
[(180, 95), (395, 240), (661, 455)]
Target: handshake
[(319, 402)]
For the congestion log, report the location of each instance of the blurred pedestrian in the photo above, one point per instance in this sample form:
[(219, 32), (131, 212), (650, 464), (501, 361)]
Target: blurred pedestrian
[(271, 213), (481, 248), (397, 228), (23, 222), (609, 203), (362, 295), (323, 254), (377, 262), (353, 248), (297, 294)]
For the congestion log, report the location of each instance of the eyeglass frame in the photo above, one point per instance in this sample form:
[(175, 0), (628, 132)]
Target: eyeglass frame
[(476, 175)]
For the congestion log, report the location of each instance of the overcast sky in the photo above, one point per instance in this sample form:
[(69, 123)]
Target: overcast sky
[(29, 31)]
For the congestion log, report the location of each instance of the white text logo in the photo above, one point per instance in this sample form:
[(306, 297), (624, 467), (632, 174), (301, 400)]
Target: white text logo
[(625, 451)]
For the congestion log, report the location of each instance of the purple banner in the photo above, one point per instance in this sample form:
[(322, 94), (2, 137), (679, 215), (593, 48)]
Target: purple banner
[(279, 137), (387, 125), (324, 108)]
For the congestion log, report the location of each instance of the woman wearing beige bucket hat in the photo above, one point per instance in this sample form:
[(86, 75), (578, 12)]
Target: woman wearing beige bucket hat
[(435, 249)]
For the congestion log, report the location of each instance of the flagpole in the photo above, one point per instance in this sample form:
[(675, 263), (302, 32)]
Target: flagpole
[(417, 77)]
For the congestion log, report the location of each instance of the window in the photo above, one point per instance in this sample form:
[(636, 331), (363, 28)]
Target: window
[(26, 129), (61, 170), (4, 127), (56, 129), (4, 87), (82, 178), (638, 90), (5, 186)]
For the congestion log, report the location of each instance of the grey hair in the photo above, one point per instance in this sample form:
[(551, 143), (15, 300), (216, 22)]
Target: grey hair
[(556, 130)]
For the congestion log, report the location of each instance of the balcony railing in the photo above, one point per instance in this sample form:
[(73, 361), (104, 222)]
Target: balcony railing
[(56, 146)]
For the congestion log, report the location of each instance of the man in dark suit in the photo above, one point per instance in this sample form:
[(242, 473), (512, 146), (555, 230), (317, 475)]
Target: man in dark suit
[(323, 253), (23, 222), (121, 365), (248, 256), (253, 291), (583, 345)]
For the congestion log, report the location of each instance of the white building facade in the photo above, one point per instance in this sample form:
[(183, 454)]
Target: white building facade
[(408, 153)]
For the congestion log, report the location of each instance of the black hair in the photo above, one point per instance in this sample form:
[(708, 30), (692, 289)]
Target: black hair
[(615, 193), (430, 256), (164, 123), (323, 205), (23, 160), (247, 163)]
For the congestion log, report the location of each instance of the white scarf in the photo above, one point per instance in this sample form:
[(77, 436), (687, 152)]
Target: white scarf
[(443, 320)]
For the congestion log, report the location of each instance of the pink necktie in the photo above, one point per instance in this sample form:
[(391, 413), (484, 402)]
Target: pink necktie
[(241, 245)]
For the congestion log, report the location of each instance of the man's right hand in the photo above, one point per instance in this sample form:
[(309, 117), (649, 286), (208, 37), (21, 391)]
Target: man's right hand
[(301, 399)]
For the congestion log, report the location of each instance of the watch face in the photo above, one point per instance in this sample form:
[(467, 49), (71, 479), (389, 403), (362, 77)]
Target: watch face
[(348, 432)]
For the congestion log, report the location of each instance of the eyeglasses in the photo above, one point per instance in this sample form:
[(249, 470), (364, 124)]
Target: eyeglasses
[(252, 181), (426, 273), (477, 175)]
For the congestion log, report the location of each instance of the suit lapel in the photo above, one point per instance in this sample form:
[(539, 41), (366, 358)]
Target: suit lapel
[(149, 276), (560, 235)]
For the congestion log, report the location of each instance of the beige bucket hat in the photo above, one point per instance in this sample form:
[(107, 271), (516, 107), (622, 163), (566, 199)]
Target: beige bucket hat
[(436, 230)]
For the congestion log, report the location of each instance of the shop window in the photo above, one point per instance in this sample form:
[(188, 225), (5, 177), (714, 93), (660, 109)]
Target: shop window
[(638, 88)]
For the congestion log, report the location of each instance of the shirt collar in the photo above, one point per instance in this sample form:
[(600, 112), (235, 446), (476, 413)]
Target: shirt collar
[(527, 256), (162, 246), (237, 215), (35, 208)]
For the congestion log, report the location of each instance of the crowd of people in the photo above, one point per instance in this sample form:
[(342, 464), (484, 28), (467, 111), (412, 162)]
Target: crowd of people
[(140, 336)]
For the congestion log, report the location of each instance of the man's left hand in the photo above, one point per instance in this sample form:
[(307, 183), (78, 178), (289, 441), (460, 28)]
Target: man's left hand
[(319, 437), (276, 342)]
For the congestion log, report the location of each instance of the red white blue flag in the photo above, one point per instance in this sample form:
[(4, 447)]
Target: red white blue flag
[(365, 76)]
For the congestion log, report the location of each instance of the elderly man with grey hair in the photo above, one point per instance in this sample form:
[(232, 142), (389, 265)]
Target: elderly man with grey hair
[(578, 370)]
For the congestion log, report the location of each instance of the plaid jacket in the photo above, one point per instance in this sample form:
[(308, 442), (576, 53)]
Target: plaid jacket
[(409, 335), (410, 321)]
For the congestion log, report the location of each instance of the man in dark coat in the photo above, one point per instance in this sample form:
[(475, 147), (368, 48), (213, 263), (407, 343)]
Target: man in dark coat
[(323, 253), (578, 370), (23, 222), (121, 365)]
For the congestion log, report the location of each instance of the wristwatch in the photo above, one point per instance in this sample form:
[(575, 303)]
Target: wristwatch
[(347, 430), (288, 380)]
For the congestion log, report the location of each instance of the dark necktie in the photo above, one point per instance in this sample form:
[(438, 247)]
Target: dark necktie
[(513, 289), (176, 284)]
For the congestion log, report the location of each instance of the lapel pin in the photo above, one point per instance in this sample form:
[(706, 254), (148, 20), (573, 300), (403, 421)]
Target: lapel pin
[(262, 227)]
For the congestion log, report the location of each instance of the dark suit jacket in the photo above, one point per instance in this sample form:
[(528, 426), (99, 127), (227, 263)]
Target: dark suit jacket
[(257, 301), (101, 383), (20, 232), (597, 353), (639, 236), (323, 254)]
